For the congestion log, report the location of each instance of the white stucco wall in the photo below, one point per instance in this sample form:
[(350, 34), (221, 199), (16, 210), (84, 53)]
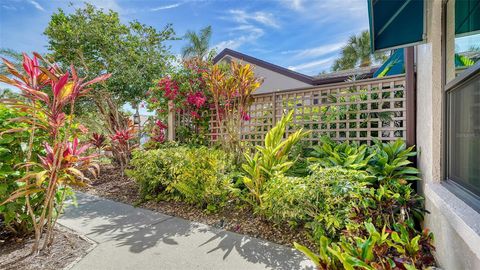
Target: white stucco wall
[(274, 81), (456, 226)]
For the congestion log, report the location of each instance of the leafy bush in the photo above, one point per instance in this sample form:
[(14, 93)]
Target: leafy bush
[(303, 199), (398, 249), (271, 159), (13, 215), (322, 200), (390, 161), (345, 154), (200, 176), (382, 160)]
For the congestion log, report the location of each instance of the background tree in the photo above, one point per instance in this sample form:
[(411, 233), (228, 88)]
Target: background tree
[(97, 42), (357, 53), (198, 44), (13, 56)]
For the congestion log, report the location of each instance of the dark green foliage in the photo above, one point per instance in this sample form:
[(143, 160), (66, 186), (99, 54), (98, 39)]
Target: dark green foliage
[(390, 161), (200, 176), (399, 248), (348, 155), (385, 161), (13, 147)]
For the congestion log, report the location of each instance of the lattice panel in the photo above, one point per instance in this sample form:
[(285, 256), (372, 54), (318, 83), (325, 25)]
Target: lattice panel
[(355, 111)]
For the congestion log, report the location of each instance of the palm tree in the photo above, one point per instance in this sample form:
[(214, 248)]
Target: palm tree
[(14, 57), (357, 53), (198, 44)]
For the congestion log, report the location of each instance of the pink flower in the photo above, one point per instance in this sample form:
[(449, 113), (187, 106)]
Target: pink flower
[(195, 115), (161, 125), (170, 87), (245, 116), (196, 99)]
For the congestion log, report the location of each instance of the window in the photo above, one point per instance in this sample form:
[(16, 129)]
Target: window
[(462, 47)]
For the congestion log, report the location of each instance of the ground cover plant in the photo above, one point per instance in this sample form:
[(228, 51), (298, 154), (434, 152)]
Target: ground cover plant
[(48, 97)]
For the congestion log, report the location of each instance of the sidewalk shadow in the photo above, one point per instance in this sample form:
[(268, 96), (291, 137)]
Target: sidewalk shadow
[(272, 255), (137, 228)]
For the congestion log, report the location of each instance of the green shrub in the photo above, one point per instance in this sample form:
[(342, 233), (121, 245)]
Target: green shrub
[(13, 147), (345, 154), (383, 160), (271, 159), (398, 249), (322, 200), (201, 176)]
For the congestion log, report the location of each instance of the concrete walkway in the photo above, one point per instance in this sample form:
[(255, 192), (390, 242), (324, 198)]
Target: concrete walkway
[(134, 238)]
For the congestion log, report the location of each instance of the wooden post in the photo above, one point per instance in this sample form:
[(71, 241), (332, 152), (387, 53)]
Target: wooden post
[(410, 96), (171, 121)]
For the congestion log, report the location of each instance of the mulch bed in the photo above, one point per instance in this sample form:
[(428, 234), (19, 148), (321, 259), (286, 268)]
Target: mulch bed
[(67, 247), (112, 185)]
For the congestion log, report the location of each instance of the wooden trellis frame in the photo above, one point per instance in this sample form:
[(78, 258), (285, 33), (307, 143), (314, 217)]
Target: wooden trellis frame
[(356, 111)]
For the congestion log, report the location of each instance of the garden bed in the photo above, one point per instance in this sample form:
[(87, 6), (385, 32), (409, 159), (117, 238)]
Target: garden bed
[(112, 185), (67, 248)]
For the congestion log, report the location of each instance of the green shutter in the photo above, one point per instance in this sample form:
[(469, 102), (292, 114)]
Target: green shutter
[(467, 16), (395, 24)]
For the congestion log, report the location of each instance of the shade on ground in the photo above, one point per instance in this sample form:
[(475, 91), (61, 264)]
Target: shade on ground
[(133, 238)]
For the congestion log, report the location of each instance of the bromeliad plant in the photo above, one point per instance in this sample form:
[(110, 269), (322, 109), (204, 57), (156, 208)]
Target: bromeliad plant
[(231, 90), (270, 159), (49, 97)]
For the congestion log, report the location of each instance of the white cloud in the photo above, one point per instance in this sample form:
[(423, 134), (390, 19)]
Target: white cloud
[(317, 51), (235, 43), (316, 65), (294, 4), (165, 7), (36, 5), (8, 7), (328, 12), (264, 18)]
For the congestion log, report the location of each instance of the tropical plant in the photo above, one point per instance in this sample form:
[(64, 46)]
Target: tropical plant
[(357, 53), (122, 145), (270, 159), (63, 161), (197, 175), (198, 44), (231, 91), (184, 93), (391, 161), (98, 140), (387, 249), (14, 218), (345, 154), (320, 201)]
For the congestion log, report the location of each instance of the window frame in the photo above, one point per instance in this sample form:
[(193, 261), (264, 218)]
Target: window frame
[(471, 73)]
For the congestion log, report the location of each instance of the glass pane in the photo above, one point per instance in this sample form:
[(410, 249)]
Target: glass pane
[(463, 36), (464, 135)]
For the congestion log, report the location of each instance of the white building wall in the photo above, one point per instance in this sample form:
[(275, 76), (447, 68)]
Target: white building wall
[(274, 81), (456, 226)]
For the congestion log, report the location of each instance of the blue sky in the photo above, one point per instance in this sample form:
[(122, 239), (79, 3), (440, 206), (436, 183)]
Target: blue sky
[(305, 36)]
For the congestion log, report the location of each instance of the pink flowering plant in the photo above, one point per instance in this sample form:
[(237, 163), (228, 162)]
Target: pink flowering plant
[(190, 99), (48, 101)]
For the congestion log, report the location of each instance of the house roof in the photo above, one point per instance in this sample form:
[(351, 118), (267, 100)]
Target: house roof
[(284, 71), (333, 77)]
